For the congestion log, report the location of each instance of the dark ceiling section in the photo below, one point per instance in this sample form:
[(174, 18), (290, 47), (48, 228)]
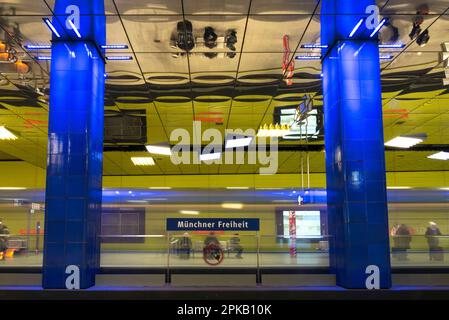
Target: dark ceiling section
[(126, 127), (420, 82)]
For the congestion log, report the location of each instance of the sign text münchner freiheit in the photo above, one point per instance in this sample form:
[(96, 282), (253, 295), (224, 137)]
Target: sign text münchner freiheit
[(215, 224)]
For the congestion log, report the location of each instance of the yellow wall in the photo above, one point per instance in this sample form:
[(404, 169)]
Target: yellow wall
[(23, 174)]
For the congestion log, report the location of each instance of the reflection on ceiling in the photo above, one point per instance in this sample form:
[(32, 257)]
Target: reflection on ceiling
[(231, 78)]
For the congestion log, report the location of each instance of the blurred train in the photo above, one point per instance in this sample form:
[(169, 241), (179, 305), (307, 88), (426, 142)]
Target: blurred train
[(149, 208)]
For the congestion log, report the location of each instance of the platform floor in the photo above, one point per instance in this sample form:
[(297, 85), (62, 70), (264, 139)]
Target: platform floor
[(264, 293), (161, 260)]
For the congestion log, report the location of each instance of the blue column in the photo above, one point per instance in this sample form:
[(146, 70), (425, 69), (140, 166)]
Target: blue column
[(355, 159), (75, 144)]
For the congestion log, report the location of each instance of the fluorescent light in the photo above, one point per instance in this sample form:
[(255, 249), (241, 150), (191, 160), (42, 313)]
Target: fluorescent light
[(399, 188), (385, 57), (159, 188), (445, 189), (119, 58), (404, 142), (308, 57), (115, 46), (228, 205), (52, 27), (5, 134), (162, 150), (74, 28), (237, 188), (12, 188), (37, 47), (189, 212), (210, 156), (381, 24), (391, 46), (356, 28), (239, 142), (143, 161), (314, 46), (439, 156), (136, 201)]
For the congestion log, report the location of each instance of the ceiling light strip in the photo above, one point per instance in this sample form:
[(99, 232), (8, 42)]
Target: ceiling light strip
[(357, 26), (114, 46), (379, 26), (161, 150), (119, 58), (37, 47), (440, 156), (308, 57), (74, 28), (143, 161), (52, 27), (403, 142), (314, 46)]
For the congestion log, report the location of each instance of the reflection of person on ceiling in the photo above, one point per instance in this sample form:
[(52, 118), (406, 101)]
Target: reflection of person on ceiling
[(210, 37), (185, 39), (231, 39), (211, 55)]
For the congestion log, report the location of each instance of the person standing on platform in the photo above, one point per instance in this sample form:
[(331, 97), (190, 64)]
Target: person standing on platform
[(236, 246), (212, 246), (432, 234), (394, 229), (4, 232), (185, 246), (401, 239), (211, 239)]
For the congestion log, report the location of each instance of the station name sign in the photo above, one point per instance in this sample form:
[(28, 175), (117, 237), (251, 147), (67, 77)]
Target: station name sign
[(192, 224)]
